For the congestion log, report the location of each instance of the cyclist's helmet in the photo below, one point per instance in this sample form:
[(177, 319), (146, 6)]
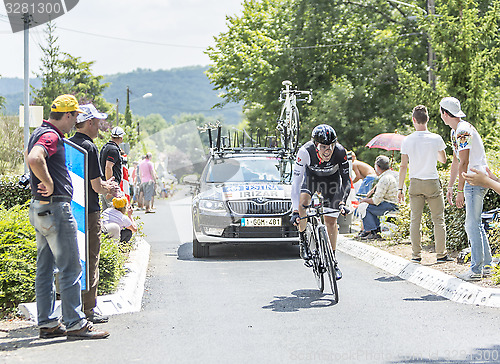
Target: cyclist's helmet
[(324, 134)]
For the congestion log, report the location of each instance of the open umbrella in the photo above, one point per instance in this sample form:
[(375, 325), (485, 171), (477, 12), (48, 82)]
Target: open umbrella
[(387, 141)]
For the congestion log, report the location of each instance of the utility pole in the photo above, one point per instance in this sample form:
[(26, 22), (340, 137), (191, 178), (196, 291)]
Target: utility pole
[(128, 114), (431, 10), (26, 19), (117, 114)]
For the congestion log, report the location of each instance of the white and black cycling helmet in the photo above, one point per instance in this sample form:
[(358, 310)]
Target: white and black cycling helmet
[(324, 134)]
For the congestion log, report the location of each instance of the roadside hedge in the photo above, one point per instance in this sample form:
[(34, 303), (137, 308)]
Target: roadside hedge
[(18, 260), (11, 193)]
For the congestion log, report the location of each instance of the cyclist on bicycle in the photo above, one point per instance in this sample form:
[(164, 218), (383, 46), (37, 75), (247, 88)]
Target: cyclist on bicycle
[(322, 166)]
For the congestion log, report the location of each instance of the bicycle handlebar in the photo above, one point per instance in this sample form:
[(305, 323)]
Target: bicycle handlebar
[(319, 214), (296, 93)]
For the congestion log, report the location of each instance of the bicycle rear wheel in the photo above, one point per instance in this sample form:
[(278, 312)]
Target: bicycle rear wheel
[(316, 259), (329, 261)]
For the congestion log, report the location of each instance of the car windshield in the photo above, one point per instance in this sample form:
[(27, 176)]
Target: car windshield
[(247, 169)]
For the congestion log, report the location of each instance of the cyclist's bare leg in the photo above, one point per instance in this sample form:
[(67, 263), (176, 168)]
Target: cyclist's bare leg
[(305, 254), (305, 199), (332, 228)]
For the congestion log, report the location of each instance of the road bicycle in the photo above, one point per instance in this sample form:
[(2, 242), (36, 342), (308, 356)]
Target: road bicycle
[(323, 260), (288, 122)]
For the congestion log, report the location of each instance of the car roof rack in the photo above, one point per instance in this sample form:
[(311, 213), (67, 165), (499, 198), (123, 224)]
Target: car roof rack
[(225, 145)]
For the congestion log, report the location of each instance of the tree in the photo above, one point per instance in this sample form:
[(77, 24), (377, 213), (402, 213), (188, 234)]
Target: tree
[(62, 73), (465, 39), (151, 124), (2, 99), (11, 147), (324, 46)]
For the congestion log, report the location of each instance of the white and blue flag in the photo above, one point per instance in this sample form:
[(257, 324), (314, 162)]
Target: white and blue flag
[(76, 162)]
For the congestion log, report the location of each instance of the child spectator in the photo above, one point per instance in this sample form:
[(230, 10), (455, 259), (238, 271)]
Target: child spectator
[(117, 221)]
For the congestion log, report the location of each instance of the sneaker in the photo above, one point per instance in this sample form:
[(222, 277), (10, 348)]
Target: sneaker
[(444, 259), (56, 331), (372, 236), (362, 234), (338, 273), (486, 270), (304, 251), (96, 318), (87, 332), (416, 260), (469, 276)]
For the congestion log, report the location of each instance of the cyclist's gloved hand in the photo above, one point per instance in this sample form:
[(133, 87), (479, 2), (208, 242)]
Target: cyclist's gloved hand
[(344, 210), (294, 217)]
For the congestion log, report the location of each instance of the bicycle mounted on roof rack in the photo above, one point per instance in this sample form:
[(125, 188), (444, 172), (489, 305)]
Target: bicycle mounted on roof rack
[(288, 121), (225, 145)]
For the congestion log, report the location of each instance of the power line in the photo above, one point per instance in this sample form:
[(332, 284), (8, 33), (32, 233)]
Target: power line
[(131, 40)]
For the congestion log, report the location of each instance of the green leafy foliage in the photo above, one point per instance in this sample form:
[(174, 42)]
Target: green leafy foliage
[(61, 73), (111, 268), (11, 147), (17, 258), (18, 252), (11, 194), (2, 99)]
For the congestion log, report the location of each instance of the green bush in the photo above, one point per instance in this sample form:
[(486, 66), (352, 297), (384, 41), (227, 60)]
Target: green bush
[(17, 258), (111, 268), (11, 194)]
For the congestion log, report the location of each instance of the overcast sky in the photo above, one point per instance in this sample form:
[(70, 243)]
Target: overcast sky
[(181, 30)]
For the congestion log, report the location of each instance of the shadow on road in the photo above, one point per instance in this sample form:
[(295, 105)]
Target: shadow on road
[(300, 299), (241, 252), (26, 337), (428, 298), (389, 279)]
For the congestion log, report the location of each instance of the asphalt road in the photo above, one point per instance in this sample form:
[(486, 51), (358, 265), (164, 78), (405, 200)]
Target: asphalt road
[(259, 304)]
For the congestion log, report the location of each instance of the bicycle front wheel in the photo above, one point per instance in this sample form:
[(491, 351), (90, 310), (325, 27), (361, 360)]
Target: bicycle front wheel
[(328, 261), (293, 132), (316, 259)]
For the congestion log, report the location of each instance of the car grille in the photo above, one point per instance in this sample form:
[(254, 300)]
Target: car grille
[(273, 207), (261, 232)]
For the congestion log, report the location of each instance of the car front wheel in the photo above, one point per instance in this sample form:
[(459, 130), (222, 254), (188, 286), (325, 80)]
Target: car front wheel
[(199, 251)]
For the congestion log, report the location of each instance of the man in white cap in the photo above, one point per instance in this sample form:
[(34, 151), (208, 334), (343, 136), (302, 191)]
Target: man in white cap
[(468, 152), (87, 126), (111, 161)]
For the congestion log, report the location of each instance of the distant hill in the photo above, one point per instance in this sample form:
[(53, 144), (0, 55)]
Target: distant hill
[(175, 91)]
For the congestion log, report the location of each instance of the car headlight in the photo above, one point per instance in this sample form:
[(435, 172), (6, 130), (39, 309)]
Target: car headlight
[(212, 206)]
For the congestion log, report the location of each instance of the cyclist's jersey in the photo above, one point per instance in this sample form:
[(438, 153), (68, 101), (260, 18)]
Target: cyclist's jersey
[(330, 178)]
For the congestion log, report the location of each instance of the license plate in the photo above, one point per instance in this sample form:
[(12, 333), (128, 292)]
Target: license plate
[(261, 221)]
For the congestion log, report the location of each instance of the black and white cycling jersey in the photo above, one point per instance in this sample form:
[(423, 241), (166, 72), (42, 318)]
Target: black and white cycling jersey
[(331, 178)]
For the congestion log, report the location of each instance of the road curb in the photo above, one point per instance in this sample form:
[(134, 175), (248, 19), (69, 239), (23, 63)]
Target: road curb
[(443, 284), (128, 297)]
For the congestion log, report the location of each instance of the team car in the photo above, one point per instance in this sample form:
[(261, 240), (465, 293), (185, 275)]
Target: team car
[(242, 197)]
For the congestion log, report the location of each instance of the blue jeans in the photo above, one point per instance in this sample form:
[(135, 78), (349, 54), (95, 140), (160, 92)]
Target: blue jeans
[(371, 221), (366, 185), (480, 248), (57, 248)]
